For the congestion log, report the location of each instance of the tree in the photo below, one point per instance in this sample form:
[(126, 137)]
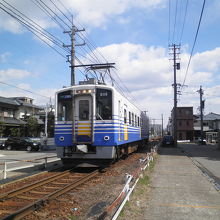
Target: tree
[(32, 126), (15, 132), (50, 124)]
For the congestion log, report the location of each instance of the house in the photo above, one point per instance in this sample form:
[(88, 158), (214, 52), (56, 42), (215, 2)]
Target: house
[(14, 110), (211, 126)]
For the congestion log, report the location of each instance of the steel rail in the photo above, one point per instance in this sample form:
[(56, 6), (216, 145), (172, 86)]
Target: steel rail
[(26, 188), (46, 199)]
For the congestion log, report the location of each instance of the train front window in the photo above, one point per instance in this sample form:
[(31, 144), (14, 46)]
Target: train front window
[(65, 107), (103, 104), (84, 110)]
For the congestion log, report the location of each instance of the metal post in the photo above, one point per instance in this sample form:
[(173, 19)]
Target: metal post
[(162, 124), (5, 170), (45, 165)]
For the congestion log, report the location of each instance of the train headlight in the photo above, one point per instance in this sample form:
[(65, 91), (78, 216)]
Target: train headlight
[(106, 138), (84, 91), (61, 138)]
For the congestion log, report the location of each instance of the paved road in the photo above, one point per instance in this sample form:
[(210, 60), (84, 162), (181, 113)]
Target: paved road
[(179, 190), (21, 157), (208, 158)]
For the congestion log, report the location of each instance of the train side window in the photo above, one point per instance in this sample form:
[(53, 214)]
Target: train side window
[(132, 120), (65, 106), (129, 118), (103, 104), (135, 120), (138, 121), (125, 116)]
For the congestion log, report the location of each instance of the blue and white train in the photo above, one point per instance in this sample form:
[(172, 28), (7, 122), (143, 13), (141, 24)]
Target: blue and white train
[(94, 122)]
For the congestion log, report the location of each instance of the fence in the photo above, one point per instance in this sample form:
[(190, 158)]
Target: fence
[(44, 159), (127, 190)]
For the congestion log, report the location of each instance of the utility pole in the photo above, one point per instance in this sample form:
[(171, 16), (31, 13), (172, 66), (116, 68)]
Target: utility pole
[(175, 52), (200, 91), (162, 124), (46, 121), (72, 46)]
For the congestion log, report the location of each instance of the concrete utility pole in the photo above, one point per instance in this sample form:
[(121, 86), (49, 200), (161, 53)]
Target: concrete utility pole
[(46, 121), (200, 91), (175, 48), (72, 34)]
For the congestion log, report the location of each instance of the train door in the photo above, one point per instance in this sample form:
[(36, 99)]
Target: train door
[(83, 120), (120, 133)]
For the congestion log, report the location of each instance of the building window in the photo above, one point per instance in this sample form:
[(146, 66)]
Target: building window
[(187, 123), (180, 123), (188, 112)]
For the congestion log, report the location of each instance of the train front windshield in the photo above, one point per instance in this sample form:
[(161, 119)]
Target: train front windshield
[(103, 104), (65, 106)]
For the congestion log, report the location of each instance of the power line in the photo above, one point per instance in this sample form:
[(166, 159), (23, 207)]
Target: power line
[(31, 26), (11, 85), (45, 8), (197, 31), (184, 20), (174, 28)]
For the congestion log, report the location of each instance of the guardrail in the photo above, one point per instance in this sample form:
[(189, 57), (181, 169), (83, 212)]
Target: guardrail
[(45, 163)]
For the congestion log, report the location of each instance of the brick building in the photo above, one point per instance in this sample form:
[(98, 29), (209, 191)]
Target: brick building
[(185, 130)]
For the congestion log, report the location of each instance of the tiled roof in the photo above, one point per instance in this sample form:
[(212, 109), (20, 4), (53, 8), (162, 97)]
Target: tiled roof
[(9, 101), (211, 116), (13, 121)]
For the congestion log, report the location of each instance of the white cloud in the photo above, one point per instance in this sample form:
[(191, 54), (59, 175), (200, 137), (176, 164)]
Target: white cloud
[(24, 86), (208, 60), (91, 13), (29, 9), (42, 98), (9, 74), (4, 56), (148, 74)]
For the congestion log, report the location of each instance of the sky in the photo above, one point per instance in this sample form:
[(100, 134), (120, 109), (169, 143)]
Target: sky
[(135, 34)]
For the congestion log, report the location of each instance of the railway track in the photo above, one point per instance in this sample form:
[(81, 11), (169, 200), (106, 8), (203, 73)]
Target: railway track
[(23, 201)]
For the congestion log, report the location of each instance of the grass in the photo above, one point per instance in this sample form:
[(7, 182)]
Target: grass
[(134, 208)]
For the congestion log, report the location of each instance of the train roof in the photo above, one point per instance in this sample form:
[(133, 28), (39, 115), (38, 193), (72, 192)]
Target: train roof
[(90, 86)]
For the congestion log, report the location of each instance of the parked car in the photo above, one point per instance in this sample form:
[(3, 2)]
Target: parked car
[(21, 143), (202, 142), (168, 141)]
